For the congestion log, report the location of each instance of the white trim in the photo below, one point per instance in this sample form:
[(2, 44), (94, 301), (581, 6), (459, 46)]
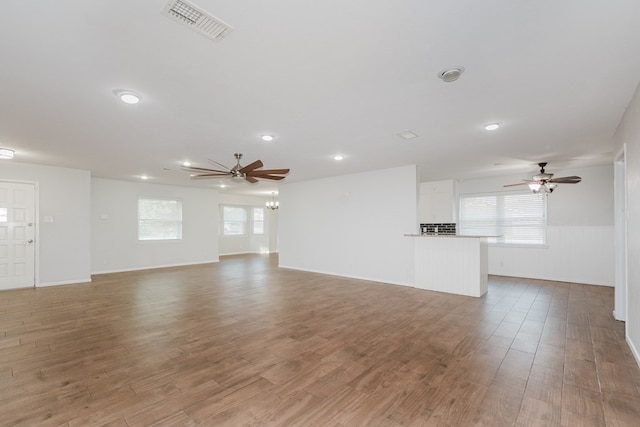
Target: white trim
[(634, 350), (246, 253), (66, 282), (621, 214), (368, 279), (154, 267), (604, 285)]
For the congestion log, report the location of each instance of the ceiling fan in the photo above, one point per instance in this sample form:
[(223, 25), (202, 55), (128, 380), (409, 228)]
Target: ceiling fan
[(545, 181), (250, 173)]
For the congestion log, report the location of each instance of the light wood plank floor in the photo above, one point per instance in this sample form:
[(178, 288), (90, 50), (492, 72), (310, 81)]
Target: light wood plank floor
[(242, 342)]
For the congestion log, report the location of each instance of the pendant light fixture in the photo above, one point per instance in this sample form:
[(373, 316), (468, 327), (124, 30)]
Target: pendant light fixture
[(273, 204)]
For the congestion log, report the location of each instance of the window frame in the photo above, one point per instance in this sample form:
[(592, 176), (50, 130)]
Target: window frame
[(178, 221), (249, 227), (502, 222), (263, 220), (245, 228)]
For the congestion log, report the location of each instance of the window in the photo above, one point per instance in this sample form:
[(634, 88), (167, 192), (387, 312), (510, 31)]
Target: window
[(515, 218), (258, 221), (159, 219), (238, 220), (234, 220)]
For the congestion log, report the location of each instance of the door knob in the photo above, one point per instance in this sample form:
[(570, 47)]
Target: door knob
[(30, 241)]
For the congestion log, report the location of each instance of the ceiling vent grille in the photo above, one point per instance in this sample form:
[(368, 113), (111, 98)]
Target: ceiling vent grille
[(196, 19), (406, 134)]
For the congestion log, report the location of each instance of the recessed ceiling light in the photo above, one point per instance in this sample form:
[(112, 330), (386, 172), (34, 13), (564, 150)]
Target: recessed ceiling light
[(267, 138), (338, 157), (452, 74), (6, 153), (127, 96), (144, 177), (492, 126), (186, 163)]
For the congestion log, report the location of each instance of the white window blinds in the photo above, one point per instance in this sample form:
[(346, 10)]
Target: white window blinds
[(235, 220), (514, 218), (159, 219)]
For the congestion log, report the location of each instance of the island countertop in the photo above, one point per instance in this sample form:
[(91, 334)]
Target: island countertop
[(464, 236)]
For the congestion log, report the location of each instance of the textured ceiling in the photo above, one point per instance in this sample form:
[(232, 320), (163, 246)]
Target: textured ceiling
[(323, 77)]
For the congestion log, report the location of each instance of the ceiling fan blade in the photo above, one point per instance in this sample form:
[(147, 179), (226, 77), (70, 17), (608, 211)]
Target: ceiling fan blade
[(275, 178), (255, 165), (566, 180), (211, 175), (205, 170), (250, 179), (268, 172), (526, 182), (219, 164)]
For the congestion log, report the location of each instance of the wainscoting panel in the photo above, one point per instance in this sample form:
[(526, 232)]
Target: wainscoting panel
[(580, 254)]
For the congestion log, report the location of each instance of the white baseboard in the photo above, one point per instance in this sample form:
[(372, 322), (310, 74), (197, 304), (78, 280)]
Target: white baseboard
[(329, 273), (66, 282), (153, 267), (247, 253), (634, 350), (606, 285)]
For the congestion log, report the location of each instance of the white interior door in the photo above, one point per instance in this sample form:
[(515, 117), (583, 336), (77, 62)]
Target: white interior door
[(17, 235)]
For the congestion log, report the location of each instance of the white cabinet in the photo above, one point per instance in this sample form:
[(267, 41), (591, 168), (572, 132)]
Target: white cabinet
[(437, 202)]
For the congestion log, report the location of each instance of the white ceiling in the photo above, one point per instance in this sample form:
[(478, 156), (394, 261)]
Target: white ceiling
[(323, 77)]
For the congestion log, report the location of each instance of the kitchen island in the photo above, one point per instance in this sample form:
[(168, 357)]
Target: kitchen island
[(451, 263)]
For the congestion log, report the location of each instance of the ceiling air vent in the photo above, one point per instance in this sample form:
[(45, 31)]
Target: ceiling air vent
[(196, 19), (406, 134)]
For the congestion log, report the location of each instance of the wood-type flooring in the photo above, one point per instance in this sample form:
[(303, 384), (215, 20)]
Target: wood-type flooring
[(243, 342)]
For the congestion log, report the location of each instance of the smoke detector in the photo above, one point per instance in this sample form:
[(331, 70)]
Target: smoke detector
[(451, 74), (196, 19)]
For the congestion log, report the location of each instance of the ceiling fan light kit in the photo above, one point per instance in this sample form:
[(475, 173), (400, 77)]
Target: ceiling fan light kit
[(545, 181)]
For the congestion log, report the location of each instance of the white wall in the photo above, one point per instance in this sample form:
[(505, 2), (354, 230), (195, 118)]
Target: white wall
[(248, 243), (114, 233), (579, 233), (629, 132), (64, 194), (351, 225)]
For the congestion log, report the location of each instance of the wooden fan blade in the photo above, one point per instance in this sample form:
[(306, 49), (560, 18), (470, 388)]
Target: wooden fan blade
[(219, 164), (566, 180), (255, 165), (250, 179), (526, 182), (275, 178), (195, 169), (268, 172)]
